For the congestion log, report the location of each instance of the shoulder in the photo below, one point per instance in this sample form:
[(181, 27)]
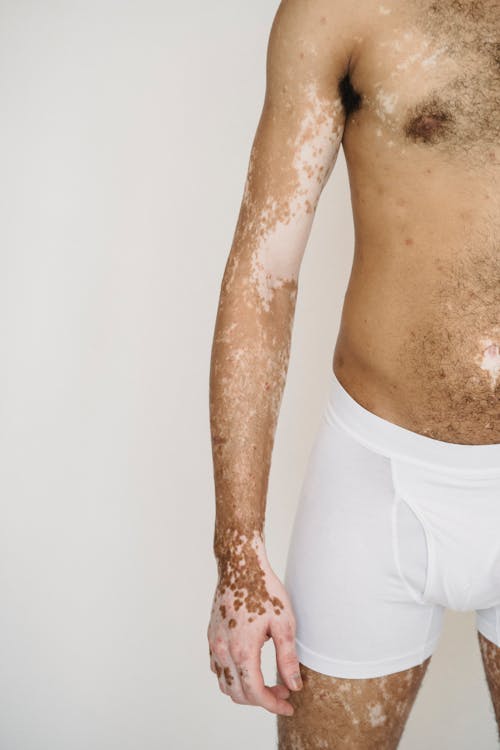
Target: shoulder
[(320, 32)]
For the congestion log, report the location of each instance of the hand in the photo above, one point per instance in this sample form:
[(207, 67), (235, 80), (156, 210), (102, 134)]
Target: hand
[(244, 616)]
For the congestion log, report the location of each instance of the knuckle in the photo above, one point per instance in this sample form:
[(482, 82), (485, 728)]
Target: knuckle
[(220, 649), (286, 634), (245, 678)]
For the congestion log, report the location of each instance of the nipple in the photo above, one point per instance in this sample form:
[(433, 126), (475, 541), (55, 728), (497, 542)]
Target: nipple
[(427, 127)]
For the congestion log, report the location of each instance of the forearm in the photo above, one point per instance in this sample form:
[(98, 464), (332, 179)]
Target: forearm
[(249, 363)]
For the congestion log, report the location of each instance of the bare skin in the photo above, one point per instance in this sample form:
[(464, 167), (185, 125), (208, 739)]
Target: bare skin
[(490, 655), (408, 88), (332, 712), (420, 335)]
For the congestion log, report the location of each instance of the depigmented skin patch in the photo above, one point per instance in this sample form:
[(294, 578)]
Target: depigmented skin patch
[(489, 359), (277, 229), (334, 712)]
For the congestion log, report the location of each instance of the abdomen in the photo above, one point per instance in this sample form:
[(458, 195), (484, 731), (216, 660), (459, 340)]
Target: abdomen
[(419, 342)]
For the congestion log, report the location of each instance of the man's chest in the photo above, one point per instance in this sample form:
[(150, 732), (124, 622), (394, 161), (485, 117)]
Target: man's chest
[(429, 73)]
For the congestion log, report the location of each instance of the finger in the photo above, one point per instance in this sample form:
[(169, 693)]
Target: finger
[(286, 655), (222, 677), (212, 658), (259, 694), (212, 664), (229, 679), (281, 691)]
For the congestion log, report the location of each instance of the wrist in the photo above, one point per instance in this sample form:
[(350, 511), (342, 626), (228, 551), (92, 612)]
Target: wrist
[(236, 549)]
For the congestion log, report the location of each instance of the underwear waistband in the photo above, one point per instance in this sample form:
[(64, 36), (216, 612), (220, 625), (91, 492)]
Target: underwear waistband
[(396, 441)]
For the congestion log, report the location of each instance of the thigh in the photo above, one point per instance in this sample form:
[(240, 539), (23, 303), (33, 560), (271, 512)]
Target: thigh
[(340, 714), (490, 655)]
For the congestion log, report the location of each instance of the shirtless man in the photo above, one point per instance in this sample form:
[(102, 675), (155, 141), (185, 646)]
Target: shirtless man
[(411, 89)]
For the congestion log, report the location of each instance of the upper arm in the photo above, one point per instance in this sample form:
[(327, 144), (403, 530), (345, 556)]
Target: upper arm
[(298, 135)]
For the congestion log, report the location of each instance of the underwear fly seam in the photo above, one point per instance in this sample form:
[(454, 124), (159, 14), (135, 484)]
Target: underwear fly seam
[(399, 497)]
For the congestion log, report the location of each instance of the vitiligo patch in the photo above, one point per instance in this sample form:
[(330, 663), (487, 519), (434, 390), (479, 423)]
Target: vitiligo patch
[(489, 360), (285, 221)]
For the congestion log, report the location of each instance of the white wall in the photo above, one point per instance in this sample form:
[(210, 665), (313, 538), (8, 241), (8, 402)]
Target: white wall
[(125, 132)]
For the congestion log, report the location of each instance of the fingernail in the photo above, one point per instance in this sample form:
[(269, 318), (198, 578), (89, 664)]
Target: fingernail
[(297, 683)]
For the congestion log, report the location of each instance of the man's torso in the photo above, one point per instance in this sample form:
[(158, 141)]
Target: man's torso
[(419, 342)]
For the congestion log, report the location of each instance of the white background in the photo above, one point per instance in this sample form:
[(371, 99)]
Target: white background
[(125, 132)]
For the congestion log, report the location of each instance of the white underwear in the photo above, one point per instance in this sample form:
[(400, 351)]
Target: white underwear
[(391, 528)]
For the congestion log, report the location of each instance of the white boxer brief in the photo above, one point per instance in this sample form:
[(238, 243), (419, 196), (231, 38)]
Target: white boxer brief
[(391, 528)]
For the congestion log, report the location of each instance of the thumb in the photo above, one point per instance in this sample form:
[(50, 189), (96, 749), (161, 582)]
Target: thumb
[(286, 656)]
